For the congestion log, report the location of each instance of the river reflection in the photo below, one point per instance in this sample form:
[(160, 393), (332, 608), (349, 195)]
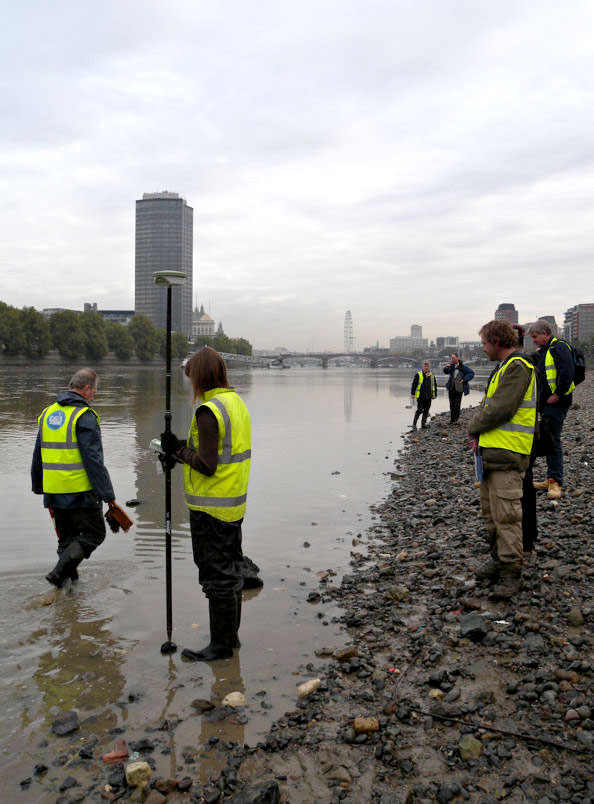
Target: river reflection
[(324, 443)]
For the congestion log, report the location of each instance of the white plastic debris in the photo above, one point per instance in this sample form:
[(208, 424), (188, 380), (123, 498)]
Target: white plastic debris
[(308, 687), (234, 699)]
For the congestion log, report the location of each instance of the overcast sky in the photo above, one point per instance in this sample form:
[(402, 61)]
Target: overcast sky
[(413, 161)]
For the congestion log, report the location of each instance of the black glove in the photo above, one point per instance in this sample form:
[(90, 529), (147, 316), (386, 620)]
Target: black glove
[(167, 461), (114, 525), (170, 443)]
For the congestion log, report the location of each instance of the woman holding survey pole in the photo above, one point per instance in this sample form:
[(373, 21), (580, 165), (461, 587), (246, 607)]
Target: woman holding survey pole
[(216, 458)]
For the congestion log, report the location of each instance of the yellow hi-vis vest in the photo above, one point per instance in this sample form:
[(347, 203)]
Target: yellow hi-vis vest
[(551, 368), (420, 379), (224, 494), (517, 434), (63, 469)]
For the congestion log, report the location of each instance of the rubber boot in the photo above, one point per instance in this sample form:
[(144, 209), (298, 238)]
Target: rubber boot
[(69, 560), (510, 582), (238, 602), (222, 615), (416, 419)]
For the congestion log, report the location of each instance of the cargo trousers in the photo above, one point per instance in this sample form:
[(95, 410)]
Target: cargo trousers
[(501, 507)]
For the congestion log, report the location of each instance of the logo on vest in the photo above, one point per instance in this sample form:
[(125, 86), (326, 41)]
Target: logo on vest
[(56, 420)]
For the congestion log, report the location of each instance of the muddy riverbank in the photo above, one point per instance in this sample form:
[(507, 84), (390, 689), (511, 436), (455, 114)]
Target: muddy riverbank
[(436, 694), (464, 700)]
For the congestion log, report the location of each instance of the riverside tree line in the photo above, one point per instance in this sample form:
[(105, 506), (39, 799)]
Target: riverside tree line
[(74, 335)]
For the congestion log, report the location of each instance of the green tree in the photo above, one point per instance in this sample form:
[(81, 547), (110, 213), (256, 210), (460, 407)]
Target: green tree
[(119, 340), (241, 346), (12, 338), (202, 340), (179, 345), (93, 326), (161, 341), (222, 343), (143, 333), (36, 332), (67, 334)]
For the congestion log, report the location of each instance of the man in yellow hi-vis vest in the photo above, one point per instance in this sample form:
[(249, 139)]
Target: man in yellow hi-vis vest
[(217, 458), (68, 469), (501, 434), (556, 374), (424, 390)]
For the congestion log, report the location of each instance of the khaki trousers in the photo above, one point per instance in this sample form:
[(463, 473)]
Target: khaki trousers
[(501, 506)]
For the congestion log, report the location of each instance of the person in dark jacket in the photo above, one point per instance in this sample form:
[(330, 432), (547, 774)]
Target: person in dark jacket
[(556, 373), (423, 389), (529, 521), (457, 384), (68, 469)]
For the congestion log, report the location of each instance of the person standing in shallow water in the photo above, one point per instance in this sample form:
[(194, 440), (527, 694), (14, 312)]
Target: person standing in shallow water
[(216, 458), (68, 469), (457, 384), (424, 390)]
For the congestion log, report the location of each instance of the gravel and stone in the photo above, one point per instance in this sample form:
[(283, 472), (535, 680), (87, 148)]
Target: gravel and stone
[(438, 694)]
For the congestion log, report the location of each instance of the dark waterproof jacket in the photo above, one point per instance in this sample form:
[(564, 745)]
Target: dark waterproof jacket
[(428, 387), (563, 358), (467, 375), (90, 445)]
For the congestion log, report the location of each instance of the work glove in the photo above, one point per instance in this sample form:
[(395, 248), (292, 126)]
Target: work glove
[(167, 461), (170, 443)]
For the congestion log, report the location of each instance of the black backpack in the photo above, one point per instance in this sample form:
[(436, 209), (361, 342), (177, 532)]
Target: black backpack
[(579, 365), (579, 362)]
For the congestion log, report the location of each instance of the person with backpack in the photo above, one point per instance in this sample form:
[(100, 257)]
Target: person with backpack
[(556, 371)]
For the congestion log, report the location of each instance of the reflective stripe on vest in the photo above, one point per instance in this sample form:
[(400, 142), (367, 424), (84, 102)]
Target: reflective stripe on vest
[(517, 434), (63, 468), (551, 368), (420, 379), (224, 494)]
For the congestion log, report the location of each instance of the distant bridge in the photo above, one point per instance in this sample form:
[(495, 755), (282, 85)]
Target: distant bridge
[(324, 358)]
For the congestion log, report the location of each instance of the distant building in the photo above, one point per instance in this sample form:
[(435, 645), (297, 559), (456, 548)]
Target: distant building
[(579, 323), (470, 349), (164, 241), (409, 343), (117, 316), (506, 312), (202, 324), (49, 311), (447, 342)]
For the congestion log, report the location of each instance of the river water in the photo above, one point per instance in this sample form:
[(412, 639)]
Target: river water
[(324, 443)]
